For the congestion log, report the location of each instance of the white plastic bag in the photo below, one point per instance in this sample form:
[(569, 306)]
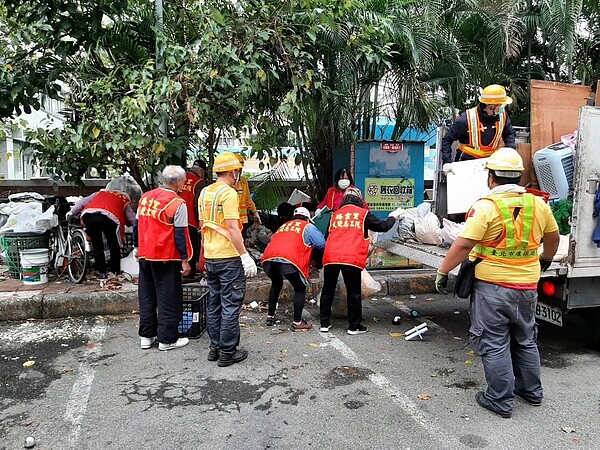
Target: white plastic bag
[(130, 265), (427, 226), (47, 220), (368, 286), (450, 231)]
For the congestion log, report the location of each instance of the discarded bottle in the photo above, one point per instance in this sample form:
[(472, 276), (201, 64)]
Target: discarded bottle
[(396, 320), (414, 313)]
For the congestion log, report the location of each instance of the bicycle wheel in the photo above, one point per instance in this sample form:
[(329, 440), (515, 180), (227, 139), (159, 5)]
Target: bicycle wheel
[(78, 257)]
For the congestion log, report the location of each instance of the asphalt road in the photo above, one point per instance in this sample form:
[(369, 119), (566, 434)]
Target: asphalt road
[(92, 387)]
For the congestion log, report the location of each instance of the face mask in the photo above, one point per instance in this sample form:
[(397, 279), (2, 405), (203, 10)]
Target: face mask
[(237, 176), (343, 184)]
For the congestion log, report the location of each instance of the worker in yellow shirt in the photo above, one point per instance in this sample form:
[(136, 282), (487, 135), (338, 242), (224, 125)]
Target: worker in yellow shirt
[(247, 206)]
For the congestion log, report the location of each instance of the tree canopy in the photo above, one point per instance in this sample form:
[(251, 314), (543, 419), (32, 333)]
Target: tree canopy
[(310, 73)]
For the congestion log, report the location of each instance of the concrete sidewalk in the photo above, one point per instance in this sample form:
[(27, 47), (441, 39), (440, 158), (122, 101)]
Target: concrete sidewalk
[(58, 299)]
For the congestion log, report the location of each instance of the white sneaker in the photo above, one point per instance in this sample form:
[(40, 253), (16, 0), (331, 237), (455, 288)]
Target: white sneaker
[(146, 343), (181, 342)]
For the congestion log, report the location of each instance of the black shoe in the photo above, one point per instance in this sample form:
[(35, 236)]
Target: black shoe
[(528, 398), (482, 400), (213, 354), (361, 329), (229, 358)]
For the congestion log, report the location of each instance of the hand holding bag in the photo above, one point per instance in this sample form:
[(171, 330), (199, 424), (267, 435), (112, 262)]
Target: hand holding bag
[(465, 280)]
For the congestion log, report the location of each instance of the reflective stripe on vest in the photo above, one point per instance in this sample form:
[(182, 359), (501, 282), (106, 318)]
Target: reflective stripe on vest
[(515, 245), (474, 147), (211, 220)]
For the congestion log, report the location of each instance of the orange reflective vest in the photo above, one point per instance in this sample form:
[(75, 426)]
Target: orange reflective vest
[(475, 148), (156, 232), (111, 204), (245, 199), (516, 244), (210, 205), (188, 195), (346, 243), (288, 243)]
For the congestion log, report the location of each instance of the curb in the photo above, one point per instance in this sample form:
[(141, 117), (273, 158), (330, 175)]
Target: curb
[(22, 305)]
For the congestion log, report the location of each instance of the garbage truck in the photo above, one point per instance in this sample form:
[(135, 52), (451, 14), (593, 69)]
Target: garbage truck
[(572, 282)]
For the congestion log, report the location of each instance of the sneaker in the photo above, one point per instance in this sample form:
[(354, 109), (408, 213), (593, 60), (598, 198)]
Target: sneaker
[(528, 398), (181, 342), (146, 342), (301, 326), (213, 354), (229, 358), (325, 328), (361, 329), (270, 321), (484, 402)]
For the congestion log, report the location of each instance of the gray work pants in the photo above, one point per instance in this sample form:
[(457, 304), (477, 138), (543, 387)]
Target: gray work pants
[(226, 287), (503, 332)]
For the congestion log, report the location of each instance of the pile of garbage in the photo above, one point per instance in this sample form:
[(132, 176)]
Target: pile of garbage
[(24, 213), (420, 225)]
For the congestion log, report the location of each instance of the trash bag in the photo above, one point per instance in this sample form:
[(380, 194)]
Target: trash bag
[(406, 225), (427, 226), (450, 231), (130, 265), (368, 286)]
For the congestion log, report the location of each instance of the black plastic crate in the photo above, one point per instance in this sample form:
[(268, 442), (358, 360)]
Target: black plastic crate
[(193, 320), (13, 243)]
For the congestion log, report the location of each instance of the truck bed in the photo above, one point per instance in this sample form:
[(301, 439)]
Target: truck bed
[(428, 254)]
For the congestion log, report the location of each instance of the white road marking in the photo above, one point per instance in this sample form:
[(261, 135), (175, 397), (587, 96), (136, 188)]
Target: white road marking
[(400, 398), (78, 400)]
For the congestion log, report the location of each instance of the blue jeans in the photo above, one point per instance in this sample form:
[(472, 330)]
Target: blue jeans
[(226, 289), (504, 334)]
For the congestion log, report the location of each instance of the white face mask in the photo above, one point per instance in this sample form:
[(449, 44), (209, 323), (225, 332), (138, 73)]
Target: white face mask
[(343, 184), (237, 176)]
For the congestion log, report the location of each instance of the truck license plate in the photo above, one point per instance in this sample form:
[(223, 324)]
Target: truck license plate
[(549, 313)]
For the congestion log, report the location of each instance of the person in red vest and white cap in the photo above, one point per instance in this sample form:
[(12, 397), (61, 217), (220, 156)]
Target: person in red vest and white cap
[(288, 256), (346, 251)]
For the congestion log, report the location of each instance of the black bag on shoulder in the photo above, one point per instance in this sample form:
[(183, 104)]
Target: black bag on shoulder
[(465, 280)]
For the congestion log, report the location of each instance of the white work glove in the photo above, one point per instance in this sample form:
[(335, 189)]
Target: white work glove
[(317, 213), (249, 265), (396, 213), (447, 168), (68, 215), (135, 252)]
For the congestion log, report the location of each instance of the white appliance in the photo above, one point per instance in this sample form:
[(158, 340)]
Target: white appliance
[(554, 167)]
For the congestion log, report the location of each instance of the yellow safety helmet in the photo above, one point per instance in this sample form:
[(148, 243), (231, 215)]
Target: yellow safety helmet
[(506, 162), (494, 94), (240, 157), (225, 162)]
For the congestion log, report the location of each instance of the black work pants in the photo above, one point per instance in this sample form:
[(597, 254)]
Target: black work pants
[(276, 271), (159, 288), (351, 277), (96, 225)]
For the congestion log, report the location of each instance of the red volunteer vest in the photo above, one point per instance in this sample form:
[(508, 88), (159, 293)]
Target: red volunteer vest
[(187, 194), (288, 243), (346, 243), (111, 204), (156, 232)]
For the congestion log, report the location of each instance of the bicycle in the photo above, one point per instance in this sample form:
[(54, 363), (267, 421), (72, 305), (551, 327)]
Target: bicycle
[(69, 249)]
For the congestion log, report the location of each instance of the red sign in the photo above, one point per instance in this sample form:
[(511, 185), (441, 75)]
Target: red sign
[(392, 147)]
